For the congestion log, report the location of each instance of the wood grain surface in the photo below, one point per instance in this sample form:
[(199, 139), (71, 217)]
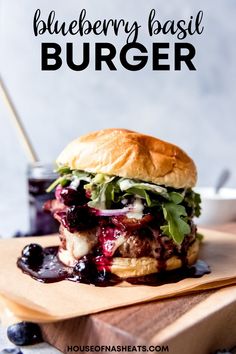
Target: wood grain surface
[(141, 324)]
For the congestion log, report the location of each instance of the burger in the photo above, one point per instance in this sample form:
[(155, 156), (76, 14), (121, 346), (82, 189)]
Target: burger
[(124, 201)]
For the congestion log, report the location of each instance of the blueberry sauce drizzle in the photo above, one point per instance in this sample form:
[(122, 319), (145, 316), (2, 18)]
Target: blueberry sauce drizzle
[(90, 270)]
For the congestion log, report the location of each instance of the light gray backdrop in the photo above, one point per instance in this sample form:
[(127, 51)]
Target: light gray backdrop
[(192, 109)]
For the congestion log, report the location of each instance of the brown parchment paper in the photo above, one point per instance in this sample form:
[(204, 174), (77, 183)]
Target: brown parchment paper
[(31, 300)]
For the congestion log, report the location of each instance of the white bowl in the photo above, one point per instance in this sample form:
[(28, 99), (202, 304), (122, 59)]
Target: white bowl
[(217, 208)]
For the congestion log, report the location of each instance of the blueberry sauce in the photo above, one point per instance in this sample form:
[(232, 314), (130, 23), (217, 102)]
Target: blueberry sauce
[(95, 270), (41, 223), (107, 238)]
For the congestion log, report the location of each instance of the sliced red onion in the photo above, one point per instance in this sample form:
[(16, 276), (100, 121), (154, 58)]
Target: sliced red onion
[(58, 192), (136, 207)]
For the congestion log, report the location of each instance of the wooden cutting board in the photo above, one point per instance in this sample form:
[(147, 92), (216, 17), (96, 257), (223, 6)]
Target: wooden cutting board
[(199, 323)]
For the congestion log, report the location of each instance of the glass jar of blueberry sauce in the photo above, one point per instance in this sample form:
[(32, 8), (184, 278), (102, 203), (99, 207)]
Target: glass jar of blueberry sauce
[(40, 176)]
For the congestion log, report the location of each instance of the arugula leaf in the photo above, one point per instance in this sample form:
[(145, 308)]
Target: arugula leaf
[(177, 198), (199, 236), (177, 205), (103, 190), (126, 184), (193, 201), (166, 231), (67, 176), (197, 203), (177, 227), (98, 198), (82, 176), (63, 170), (63, 181)]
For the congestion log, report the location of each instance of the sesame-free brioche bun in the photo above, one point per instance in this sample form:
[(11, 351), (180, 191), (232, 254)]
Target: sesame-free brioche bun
[(129, 154), (137, 267)]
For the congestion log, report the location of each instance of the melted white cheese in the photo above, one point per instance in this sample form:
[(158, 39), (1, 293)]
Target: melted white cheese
[(136, 210), (79, 244)]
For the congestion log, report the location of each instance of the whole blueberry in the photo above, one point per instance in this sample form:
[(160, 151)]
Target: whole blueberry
[(71, 196), (11, 351), (32, 254), (24, 333), (86, 270), (81, 267), (80, 218)]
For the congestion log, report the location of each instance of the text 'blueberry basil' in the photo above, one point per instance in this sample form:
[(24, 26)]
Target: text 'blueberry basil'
[(132, 56)]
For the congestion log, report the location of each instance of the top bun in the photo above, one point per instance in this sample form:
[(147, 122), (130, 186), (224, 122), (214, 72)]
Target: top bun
[(129, 154)]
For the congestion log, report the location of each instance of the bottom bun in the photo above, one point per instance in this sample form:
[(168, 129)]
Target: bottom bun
[(137, 267)]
